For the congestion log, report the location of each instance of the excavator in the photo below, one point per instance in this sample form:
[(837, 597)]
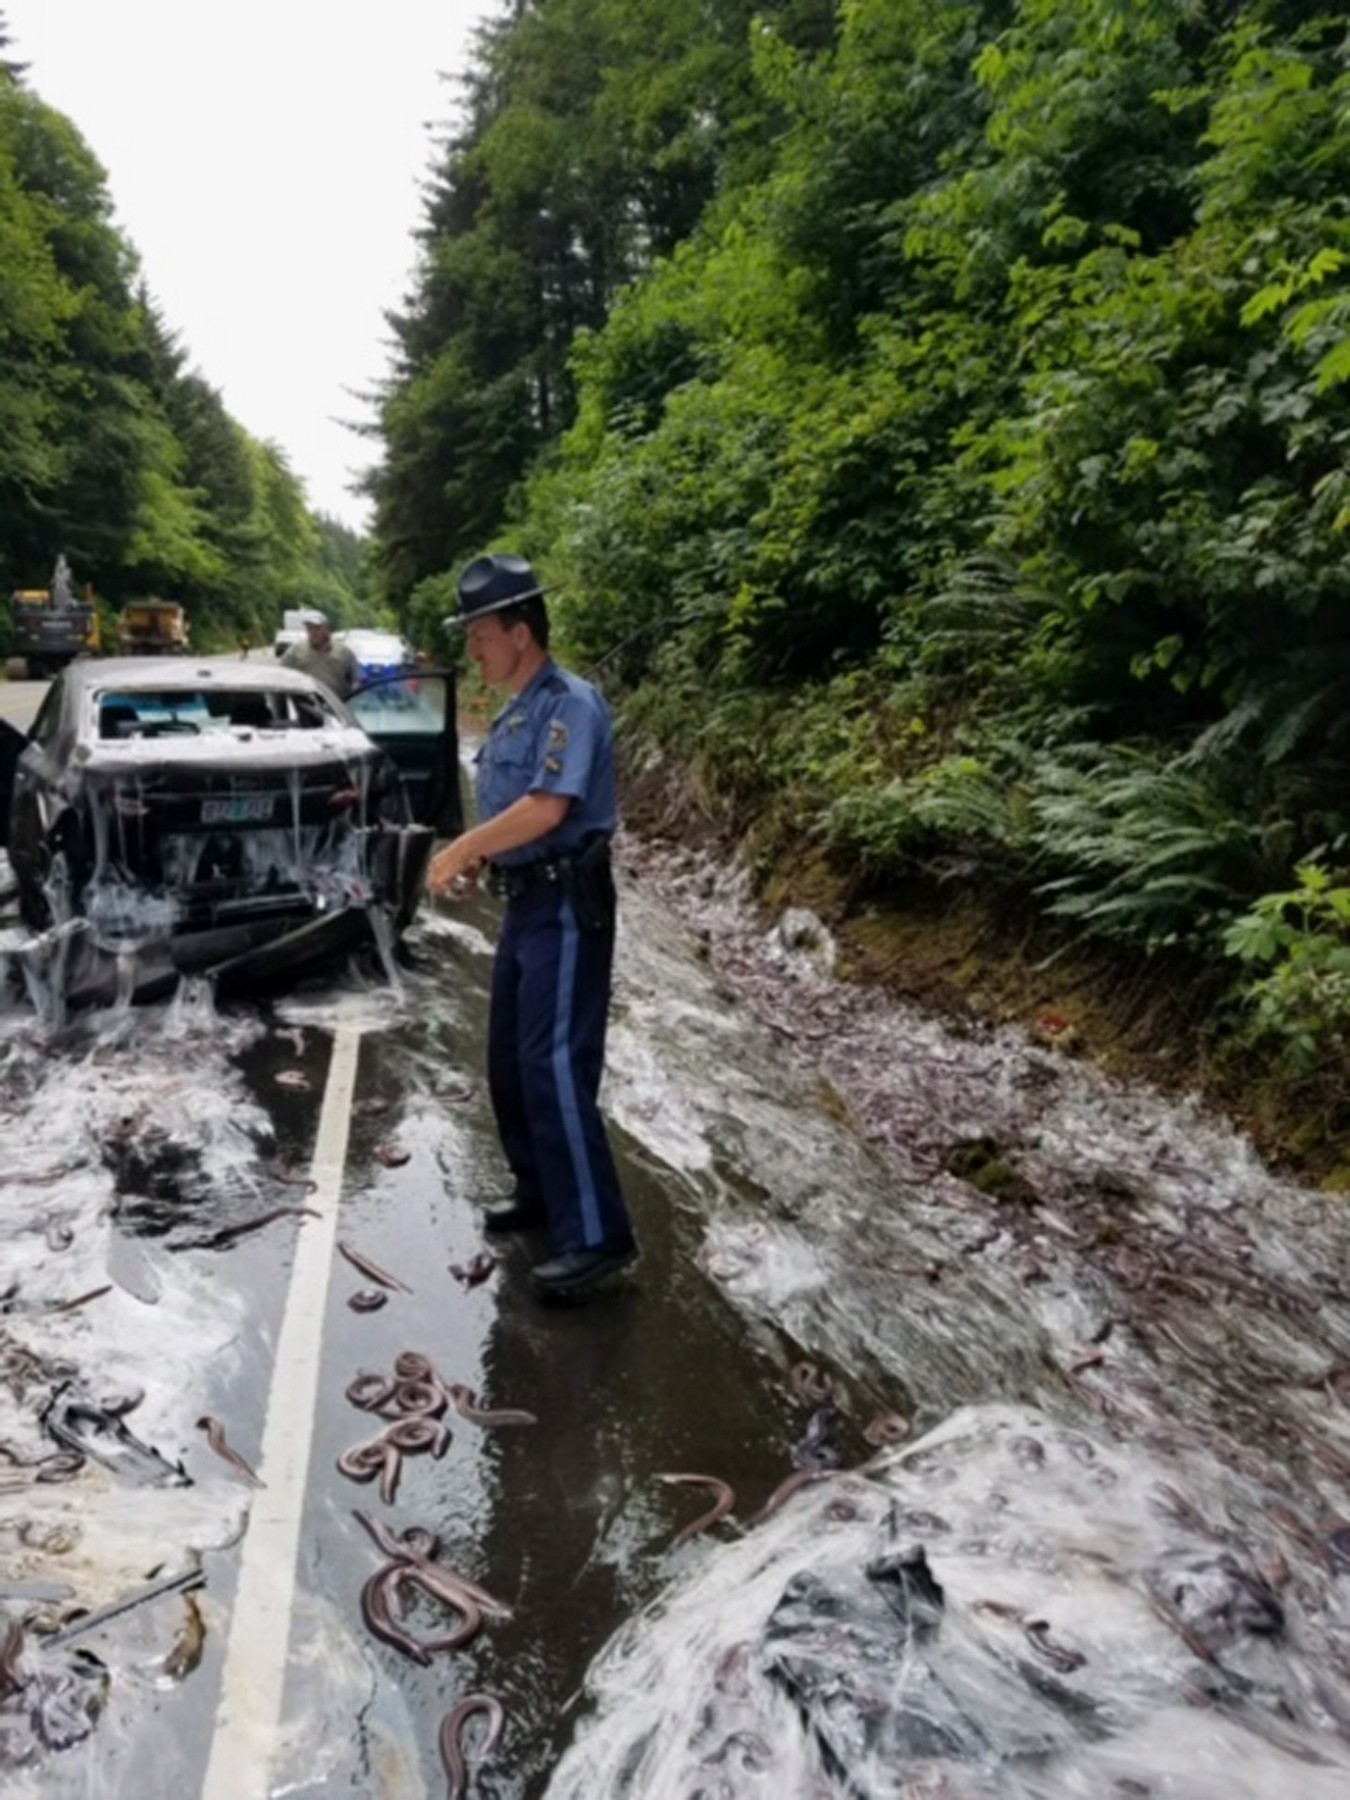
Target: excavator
[(50, 627)]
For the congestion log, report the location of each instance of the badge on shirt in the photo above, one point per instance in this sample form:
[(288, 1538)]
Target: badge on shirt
[(553, 764), (557, 735)]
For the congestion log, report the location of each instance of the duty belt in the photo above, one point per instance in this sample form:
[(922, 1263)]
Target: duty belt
[(510, 882)]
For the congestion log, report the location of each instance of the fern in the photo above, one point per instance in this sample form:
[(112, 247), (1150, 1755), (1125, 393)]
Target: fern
[(983, 608), (955, 806), (1140, 850)]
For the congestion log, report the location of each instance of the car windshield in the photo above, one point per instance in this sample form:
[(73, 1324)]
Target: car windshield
[(192, 711)]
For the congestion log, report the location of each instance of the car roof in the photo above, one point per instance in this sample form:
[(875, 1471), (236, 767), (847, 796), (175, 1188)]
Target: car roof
[(159, 674)]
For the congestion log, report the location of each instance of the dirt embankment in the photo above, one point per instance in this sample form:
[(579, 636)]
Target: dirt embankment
[(959, 949)]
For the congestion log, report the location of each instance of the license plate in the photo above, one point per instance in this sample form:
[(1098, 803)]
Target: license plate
[(243, 811)]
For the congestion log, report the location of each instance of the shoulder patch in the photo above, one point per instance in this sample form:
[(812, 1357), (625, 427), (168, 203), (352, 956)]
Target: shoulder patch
[(553, 764), (557, 735)]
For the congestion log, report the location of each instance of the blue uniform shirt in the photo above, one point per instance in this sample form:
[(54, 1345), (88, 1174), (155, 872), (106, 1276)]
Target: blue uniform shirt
[(553, 738)]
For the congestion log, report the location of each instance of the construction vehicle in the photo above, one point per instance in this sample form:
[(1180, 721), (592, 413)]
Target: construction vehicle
[(152, 627), (50, 627)]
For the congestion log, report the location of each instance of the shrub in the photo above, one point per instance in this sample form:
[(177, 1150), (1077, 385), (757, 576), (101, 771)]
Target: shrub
[(955, 808), (1297, 947)]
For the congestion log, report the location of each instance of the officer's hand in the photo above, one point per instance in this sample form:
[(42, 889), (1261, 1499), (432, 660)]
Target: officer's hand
[(452, 873)]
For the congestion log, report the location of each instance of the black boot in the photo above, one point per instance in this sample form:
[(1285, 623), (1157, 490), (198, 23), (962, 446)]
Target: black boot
[(576, 1272), (515, 1215)]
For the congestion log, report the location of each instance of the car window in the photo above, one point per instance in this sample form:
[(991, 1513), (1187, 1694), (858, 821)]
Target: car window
[(308, 710), (141, 714), (414, 705), (192, 712)]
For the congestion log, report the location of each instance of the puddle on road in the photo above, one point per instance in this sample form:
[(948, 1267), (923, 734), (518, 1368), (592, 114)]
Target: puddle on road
[(1109, 1561)]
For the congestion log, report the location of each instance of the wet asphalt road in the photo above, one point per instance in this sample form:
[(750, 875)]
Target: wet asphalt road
[(19, 701), (1156, 1285), (563, 1520)]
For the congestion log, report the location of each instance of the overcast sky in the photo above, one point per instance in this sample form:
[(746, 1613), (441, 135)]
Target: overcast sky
[(264, 157)]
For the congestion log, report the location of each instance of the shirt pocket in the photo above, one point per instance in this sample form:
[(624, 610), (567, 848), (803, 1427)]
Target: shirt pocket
[(506, 771)]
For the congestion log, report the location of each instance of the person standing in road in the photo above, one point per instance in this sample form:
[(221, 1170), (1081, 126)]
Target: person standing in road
[(547, 808), (333, 664)]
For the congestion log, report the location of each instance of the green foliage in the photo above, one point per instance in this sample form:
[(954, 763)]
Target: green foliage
[(432, 602), (1296, 947), (936, 416), (1142, 851), (943, 821), (110, 450)]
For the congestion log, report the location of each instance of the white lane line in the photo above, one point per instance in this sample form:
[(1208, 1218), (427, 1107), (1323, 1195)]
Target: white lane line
[(248, 1718)]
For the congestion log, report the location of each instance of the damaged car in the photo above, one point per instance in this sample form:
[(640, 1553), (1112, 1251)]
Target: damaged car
[(223, 818)]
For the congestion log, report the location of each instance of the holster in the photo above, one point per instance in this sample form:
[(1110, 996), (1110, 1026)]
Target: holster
[(588, 881)]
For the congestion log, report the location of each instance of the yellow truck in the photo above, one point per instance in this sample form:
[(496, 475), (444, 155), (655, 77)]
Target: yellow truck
[(152, 627)]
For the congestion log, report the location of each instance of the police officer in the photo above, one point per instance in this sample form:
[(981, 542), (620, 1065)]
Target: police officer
[(547, 808), (333, 664)]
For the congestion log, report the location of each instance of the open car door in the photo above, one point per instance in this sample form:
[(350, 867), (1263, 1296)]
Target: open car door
[(12, 746), (410, 714)]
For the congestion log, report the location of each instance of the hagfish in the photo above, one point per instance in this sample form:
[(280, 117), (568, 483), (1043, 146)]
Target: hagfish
[(215, 1437), (887, 1428), (465, 1403), (1037, 1633), (375, 1272), (288, 1179), (231, 1232), (418, 1546), (810, 1383), (410, 1562), (723, 1504), (477, 1269), (383, 1454), (12, 1678), (780, 1496), (56, 1306), (378, 1601), (452, 1738)]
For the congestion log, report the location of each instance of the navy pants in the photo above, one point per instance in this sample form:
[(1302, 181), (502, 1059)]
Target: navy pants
[(546, 1050)]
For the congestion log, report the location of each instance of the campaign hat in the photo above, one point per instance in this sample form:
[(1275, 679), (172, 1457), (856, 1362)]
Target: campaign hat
[(491, 583)]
